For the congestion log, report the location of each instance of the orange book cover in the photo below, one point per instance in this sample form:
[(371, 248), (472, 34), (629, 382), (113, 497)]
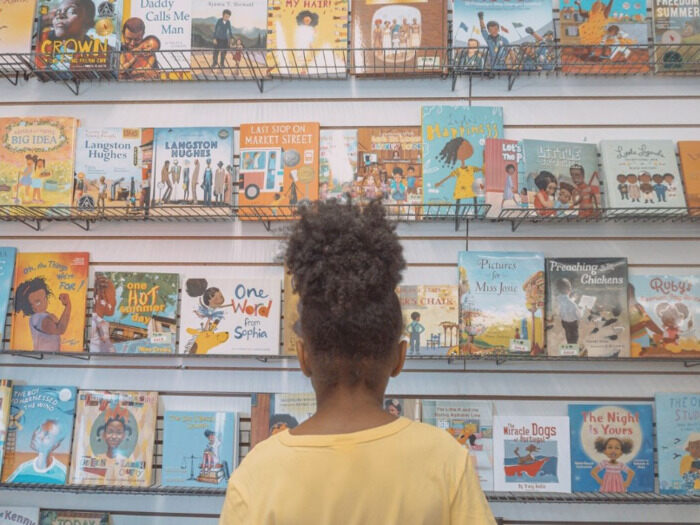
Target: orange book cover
[(689, 151), (16, 28)]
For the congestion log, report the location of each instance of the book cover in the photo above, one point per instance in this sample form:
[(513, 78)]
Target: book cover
[(651, 178), (7, 269), (291, 327), (337, 164), (471, 424), (509, 34), (560, 178), (15, 515), (39, 434), (73, 517), (531, 454), (134, 312), (49, 305), (36, 161), (664, 311), (199, 448), (678, 442), (605, 37), (114, 438), (5, 402), (404, 407), (430, 319), (193, 166), (398, 37), (501, 302), (80, 36), (503, 161), (587, 313), (676, 34), (17, 27), (279, 167), (453, 151), (689, 151), (273, 413), (612, 448), (230, 316)]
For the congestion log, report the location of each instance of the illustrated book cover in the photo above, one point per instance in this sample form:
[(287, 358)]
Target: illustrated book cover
[(273, 413), (410, 408), (689, 151), (430, 319), (5, 402), (16, 30), (503, 161), (676, 35), (73, 517), (291, 326), (15, 515), (337, 164), (7, 269)]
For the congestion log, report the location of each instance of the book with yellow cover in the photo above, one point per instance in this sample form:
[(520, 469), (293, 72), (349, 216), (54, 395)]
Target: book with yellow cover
[(16, 28)]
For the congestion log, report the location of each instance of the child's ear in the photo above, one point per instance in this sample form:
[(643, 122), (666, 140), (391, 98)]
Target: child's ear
[(301, 355), (403, 347)]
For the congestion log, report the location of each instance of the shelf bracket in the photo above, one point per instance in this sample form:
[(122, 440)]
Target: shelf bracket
[(11, 78), (34, 224), (74, 85), (691, 364), (29, 355), (261, 84), (514, 224), (84, 227), (511, 81)]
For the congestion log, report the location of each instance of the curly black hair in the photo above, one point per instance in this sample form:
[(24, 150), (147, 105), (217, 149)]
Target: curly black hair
[(22, 303), (346, 262), (626, 445)]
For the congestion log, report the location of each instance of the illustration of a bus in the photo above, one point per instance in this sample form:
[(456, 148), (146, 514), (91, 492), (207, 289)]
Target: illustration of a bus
[(261, 171)]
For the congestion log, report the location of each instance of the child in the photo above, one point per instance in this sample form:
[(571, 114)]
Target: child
[(622, 186), (569, 312), (612, 480), (564, 203), (102, 193), (32, 299), (690, 464), (414, 329), (356, 462)]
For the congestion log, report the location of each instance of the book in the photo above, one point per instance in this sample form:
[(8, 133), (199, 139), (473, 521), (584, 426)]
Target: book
[(504, 34), (114, 438), (291, 327), (398, 37), (651, 174), (7, 271), (15, 515), (430, 319), (73, 517), (678, 442), (531, 454), (404, 407), (676, 35), (612, 448), (84, 39), (471, 424), (689, 151), (503, 161), (587, 313), (560, 178), (274, 413), (37, 448), (199, 448), (36, 161), (501, 302), (603, 38), (230, 316), (5, 402), (664, 311), (16, 30), (134, 312), (49, 305), (193, 166), (278, 168), (453, 152), (337, 164)]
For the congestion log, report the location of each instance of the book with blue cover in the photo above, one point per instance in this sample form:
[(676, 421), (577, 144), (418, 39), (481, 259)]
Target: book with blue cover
[(7, 268), (678, 442)]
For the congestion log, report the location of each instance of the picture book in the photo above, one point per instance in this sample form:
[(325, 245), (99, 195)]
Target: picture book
[(49, 305), (37, 448), (453, 151), (398, 37), (15, 515), (5, 402), (689, 151), (501, 302), (664, 311), (403, 407), (78, 36), (193, 166), (505, 34), (36, 161), (134, 312), (199, 448), (430, 319), (17, 27), (307, 39), (676, 34), (114, 438), (678, 442), (273, 413), (279, 168), (7, 269), (338, 163), (471, 424), (73, 517), (560, 178), (641, 174), (587, 312), (230, 316), (502, 163), (291, 328), (531, 454), (612, 448), (603, 36)]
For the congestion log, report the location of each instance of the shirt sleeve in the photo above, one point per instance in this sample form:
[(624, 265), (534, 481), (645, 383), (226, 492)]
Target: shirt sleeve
[(469, 504), (235, 509)]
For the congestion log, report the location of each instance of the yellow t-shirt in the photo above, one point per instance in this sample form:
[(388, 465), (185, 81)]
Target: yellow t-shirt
[(403, 473)]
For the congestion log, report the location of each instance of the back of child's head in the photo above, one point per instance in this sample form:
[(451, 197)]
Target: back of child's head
[(562, 285)]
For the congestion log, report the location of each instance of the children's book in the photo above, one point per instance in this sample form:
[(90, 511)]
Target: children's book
[(199, 448), (471, 424), (39, 434), (134, 312), (587, 312), (230, 316), (73, 517), (404, 407), (16, 29), (430, 319), (274, 413), (49, 305), (114, 438), (502, 163), (16, 515), (292, 326), (664, 311), (7, 268), (501, 302), (5, 402), (676, 35), (678, 442), (338, 164), (279, 168), (651, 174), (398, 37), (612, 448), (689, 151), (603, 36), (36, 161), (531, 454)]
